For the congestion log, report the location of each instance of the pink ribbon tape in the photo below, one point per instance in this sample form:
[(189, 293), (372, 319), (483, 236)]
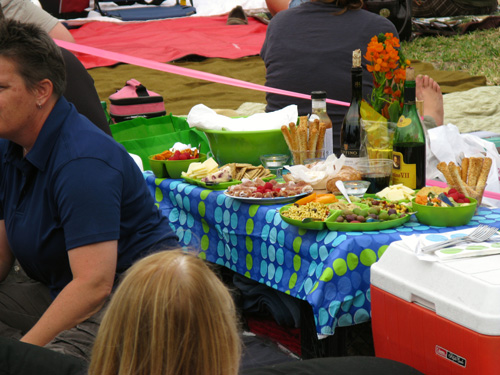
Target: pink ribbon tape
[(119, 57)]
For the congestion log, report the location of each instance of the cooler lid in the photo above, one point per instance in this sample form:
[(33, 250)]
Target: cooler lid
[(465, 291)]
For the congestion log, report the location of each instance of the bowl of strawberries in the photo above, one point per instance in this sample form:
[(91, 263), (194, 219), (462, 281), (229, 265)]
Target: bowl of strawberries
[(171, 163)]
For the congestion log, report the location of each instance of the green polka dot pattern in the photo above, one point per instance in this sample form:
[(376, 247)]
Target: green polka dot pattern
[(330, 270)]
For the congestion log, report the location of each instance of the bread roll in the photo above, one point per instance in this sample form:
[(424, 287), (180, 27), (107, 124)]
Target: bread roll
[(346, 174)]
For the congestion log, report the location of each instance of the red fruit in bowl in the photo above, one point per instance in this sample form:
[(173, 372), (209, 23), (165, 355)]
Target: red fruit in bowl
[(183, 156), (466, 200), (461, 196), (268, 185), (452, 191)]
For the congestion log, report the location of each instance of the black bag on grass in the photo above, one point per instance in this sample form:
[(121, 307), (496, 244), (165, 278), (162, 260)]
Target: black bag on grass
[(397, 11)]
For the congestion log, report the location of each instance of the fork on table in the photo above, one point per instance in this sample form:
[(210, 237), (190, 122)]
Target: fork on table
[(481, 233)]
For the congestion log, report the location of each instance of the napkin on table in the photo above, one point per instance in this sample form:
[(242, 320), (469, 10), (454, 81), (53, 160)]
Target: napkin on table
[(463, 250), (319, 173)]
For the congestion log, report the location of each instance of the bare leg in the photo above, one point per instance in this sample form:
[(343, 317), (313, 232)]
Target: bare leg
[(429, 91)]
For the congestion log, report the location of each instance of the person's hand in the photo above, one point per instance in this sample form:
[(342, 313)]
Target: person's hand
[(6, 256)]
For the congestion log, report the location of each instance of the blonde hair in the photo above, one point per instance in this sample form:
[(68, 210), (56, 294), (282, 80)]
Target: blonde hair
[(171, 315)]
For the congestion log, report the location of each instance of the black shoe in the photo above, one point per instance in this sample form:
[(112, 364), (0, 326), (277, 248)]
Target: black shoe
[(237, 16)]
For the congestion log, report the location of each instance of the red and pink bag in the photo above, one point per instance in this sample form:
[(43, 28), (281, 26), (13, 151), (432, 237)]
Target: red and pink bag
[(134, 100)]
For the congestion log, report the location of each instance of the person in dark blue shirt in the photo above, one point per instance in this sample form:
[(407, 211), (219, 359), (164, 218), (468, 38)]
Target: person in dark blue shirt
[(74, 207)]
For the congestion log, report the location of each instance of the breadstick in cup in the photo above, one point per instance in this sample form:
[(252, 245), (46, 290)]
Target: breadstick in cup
[(483, 177), (313, 140), (475, 165), (465, 169), (321, 139), (302, 133), (288, 139)]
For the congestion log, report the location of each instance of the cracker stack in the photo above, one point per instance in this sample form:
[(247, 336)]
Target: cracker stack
[(469, 178), (245, 170), (305, 140)]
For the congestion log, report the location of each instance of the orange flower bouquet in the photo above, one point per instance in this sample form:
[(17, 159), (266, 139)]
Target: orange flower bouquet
[(388, 65)]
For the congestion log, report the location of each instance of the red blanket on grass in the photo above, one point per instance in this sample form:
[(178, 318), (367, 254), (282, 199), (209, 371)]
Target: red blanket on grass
[(168, 40)]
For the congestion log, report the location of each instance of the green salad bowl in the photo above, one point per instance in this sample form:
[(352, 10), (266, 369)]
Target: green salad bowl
[(445, 216), (172, 168)]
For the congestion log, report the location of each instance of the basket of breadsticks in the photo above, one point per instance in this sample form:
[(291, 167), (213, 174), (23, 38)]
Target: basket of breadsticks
[(456, 204), (469, 178), (305, 140)]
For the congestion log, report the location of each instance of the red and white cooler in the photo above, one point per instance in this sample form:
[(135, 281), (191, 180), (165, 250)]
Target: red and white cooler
[(438, 317)]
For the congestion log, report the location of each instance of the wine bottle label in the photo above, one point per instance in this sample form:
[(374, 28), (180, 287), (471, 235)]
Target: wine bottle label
[(403, 122), (403, 173), (350, 153)]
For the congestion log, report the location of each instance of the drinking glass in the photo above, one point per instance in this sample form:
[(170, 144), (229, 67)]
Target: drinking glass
[(377, 171), (275, 163)]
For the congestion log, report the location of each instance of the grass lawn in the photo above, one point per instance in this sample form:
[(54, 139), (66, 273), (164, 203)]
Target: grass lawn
[(478, 53)]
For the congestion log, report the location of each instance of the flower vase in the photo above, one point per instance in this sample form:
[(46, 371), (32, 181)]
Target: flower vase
[(378, 140)]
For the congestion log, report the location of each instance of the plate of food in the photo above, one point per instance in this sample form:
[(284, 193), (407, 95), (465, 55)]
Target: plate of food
[(309, 216), (366, 226), (258, 191), (369, 215), (219, 185), (213, 177), (364, 215), (267, 201)]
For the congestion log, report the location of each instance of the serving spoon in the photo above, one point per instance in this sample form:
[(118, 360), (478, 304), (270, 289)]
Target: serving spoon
[(310, 220), (340, 185)]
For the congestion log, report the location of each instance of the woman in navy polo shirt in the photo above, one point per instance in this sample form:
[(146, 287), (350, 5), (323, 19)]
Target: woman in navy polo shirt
[(74, 208)]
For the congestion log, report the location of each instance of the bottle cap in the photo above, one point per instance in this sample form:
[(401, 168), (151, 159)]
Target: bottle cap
[(318, 95), (410, 74), (356, 58)]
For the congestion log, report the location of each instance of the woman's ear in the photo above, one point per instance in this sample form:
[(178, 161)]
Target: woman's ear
[(43, 91)]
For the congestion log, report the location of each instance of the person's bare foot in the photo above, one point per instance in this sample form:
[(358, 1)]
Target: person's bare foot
[(429, 91)]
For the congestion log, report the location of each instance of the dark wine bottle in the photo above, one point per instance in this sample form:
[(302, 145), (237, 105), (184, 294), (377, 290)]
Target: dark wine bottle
[(350, 133), (409, 156)]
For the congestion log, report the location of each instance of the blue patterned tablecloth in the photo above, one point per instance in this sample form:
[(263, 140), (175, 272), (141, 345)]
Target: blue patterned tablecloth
[(328, 269)]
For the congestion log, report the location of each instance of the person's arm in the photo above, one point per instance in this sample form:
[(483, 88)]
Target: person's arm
[(275, 6), (6, 256), (93, 267), (60, 32)]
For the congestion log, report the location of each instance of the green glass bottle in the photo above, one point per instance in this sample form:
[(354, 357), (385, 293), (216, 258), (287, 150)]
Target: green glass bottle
[(409, 156)]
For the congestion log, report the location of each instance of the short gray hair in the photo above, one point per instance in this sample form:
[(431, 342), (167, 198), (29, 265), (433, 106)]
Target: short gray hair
[(34, 52)]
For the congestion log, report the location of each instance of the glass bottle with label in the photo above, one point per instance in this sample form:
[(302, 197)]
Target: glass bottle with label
[(409, 156), (351, 142), (318, 111)]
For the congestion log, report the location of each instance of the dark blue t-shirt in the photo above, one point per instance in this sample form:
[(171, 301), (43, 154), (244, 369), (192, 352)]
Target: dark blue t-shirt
[(309, 48), (76, 186)]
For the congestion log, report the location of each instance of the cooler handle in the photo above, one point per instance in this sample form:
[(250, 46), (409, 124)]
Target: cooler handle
[(423, 302)]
